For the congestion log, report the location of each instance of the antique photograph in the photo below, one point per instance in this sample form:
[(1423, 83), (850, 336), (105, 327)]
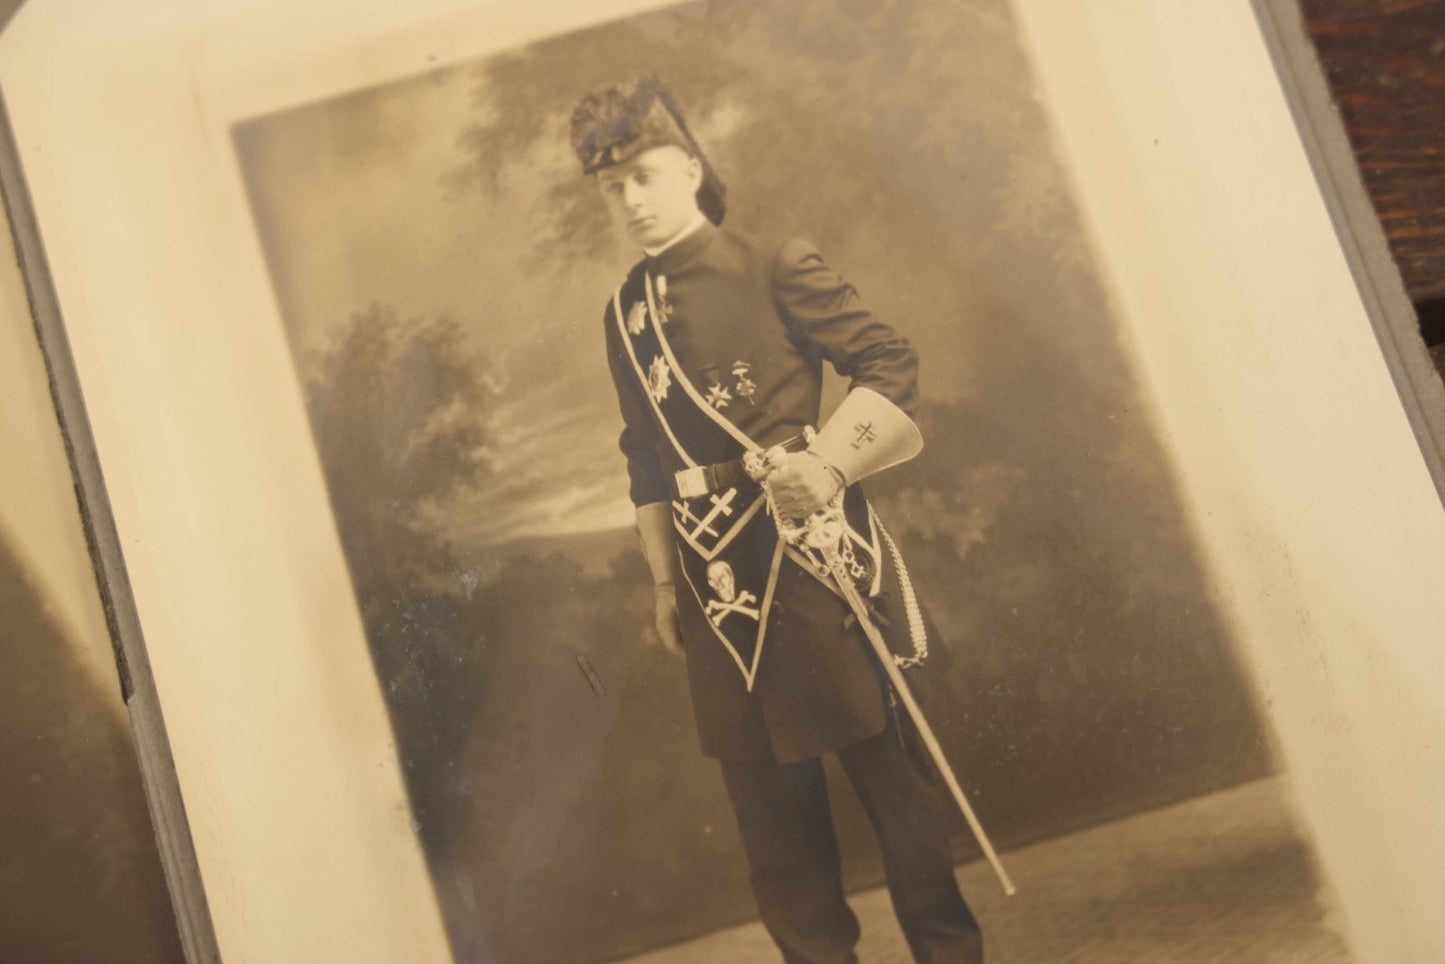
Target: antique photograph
[(764, 544)]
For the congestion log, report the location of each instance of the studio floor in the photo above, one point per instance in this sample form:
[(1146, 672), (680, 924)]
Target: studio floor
[(1221, 878)]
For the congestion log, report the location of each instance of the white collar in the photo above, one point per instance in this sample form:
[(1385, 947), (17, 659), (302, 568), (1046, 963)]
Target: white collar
[(694, 225)]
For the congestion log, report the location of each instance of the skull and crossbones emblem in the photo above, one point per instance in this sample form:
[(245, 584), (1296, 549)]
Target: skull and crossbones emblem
[(720, 577)]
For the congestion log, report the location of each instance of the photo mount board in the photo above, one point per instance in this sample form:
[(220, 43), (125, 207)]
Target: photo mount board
[(1358, 232), (137, 685)]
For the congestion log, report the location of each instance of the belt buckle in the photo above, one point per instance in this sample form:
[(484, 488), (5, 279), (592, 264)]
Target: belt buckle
[(691, 483)]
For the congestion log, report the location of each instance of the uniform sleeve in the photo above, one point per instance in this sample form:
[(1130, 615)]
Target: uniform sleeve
[(647, 481), (821, 308)]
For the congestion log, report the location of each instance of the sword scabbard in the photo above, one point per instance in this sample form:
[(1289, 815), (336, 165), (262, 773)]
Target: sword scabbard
[(824, 531)]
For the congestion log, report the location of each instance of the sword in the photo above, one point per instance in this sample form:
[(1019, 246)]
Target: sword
[(824, 531)]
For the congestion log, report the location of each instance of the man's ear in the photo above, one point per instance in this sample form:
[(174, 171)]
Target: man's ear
[(694, 171)]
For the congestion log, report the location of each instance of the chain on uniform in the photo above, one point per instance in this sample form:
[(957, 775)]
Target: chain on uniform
[(917, 632)]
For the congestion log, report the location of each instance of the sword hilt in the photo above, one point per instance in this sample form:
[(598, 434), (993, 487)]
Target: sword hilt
[(824, 529)]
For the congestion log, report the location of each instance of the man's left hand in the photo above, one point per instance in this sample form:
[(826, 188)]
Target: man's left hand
[(802, 483)]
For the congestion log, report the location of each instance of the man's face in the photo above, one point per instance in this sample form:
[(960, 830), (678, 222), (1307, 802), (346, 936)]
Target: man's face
[(653, 195)]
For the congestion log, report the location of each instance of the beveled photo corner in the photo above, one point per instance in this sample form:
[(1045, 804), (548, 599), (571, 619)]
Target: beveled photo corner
[(764, 542)]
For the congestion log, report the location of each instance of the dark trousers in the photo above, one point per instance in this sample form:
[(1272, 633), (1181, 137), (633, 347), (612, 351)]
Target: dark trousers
[(787, 830)]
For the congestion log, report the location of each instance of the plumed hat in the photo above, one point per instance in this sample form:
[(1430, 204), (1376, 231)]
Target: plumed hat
[(612, 125)]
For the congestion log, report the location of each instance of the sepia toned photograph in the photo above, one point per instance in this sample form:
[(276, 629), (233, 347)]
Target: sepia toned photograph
[(764, 541)]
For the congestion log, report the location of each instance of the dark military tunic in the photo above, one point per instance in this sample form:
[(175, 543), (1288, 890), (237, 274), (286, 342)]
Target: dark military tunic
[(716, 343), (716, 348)]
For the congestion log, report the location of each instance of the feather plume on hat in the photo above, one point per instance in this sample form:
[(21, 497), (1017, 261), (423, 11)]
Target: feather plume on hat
[(611, 125)]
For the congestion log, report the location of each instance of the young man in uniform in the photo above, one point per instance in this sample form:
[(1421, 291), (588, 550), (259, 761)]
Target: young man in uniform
[(716, 345)]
